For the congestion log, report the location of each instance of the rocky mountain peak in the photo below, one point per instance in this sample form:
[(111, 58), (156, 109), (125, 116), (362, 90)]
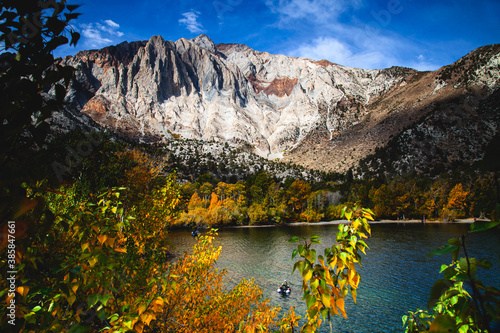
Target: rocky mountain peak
[(111, 56), (205, 42)]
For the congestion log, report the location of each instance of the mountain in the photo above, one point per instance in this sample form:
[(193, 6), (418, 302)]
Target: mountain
[(314, 113)]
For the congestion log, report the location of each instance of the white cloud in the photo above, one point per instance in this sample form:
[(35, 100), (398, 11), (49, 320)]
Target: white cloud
[(324, 48), (318, 11), (111, 28), (357, 52), (98, 35), (112, 24), (363, 51), (190, 20), (364, 42)]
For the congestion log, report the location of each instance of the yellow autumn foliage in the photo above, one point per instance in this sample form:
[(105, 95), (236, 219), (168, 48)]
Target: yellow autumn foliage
[(197, 299)]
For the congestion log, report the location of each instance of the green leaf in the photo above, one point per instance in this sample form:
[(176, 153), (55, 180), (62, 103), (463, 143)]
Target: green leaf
[(484, 263), (482, 226), (302, 250), (294, 253), (114, 317), (342, 213), (310, 300), (92, 299), (443, 323), (312, 312), (315, 239), (104, 298), (294, 239), (343, 257), (314, 284), (324, 312), (443, 250), (439, 288), (79, 329), (464, 265), (311, 256)]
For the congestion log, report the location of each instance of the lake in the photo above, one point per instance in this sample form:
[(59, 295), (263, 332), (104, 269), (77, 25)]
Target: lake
[(396, 273)]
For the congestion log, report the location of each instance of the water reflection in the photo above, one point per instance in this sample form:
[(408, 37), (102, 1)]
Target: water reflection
[(396, 273)]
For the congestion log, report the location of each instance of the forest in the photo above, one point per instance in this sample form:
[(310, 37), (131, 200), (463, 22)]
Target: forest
[(261, 197)]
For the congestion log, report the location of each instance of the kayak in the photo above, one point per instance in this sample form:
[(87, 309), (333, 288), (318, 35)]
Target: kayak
[(284, 291)]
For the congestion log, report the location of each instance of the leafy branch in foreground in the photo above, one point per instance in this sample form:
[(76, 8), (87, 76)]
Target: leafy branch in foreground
[(460, 301), (327, 279)]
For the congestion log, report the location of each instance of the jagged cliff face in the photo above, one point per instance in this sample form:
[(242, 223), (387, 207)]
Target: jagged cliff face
[(314, 113)]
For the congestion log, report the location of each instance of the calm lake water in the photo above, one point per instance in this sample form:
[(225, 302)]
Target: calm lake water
[(396, 273)]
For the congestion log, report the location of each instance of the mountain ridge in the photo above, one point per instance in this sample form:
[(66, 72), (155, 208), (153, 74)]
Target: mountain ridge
[(285, 107)]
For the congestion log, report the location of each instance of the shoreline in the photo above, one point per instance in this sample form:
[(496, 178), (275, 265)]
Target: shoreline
[(336, 222)]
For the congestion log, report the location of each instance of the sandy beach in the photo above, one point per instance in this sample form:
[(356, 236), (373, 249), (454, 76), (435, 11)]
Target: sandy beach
[(459, 221)]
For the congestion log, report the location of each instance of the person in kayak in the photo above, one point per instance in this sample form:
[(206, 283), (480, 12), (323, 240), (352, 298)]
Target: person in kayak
[(284, 287)]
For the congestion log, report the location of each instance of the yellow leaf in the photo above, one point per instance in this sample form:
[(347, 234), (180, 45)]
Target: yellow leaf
[(147, 317), (139, 327), (334, 308), (71, 299), (92, 261), (85, 246), (307, 275), (355, 281), (74, 288), (340, 305), (23, 290), (158, 304), (368, 216), (141, 308), (120, 249), (352, 271), (325, 299), (134, 321), (110, 241), (333, 262), (102, 238)]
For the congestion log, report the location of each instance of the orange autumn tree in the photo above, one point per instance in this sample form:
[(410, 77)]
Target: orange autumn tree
[(457, 200), (194, 297), (298, 193)]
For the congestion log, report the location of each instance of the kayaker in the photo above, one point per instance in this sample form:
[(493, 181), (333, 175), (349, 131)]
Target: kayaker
[(285, 285)]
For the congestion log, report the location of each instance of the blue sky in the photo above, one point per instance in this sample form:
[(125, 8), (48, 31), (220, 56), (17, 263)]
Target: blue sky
[(421, 34)]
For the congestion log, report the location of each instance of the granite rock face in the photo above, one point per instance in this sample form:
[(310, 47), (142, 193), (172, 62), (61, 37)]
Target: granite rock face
[(284, 107)]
